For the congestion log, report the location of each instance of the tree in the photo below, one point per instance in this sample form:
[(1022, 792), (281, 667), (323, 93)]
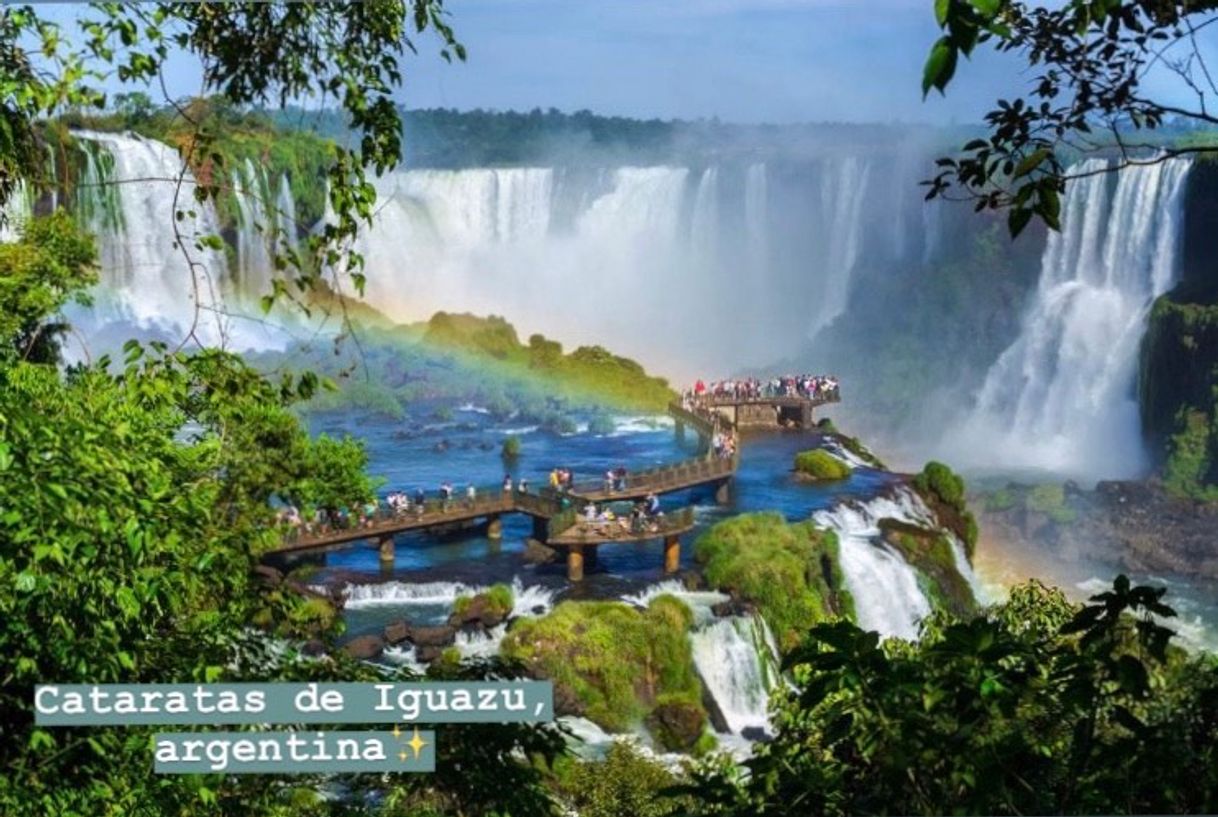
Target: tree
[(1036, 706), (51, 264), (1089, 62), (251, 54)]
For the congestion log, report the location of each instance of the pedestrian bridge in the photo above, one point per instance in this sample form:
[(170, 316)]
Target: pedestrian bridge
[(557, 518)]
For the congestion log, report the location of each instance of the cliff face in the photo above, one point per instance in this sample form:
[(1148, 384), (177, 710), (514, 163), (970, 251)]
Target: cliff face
[(1178, 383)]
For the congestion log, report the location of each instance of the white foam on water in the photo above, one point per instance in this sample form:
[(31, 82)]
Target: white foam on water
[(887, 596)]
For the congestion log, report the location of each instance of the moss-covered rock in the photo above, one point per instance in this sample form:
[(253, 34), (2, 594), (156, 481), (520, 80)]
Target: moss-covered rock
[(790, 571), (488, 609), (677, 722), (943, 491), (613, 663), (1178, 389), (930, 553), (856, 447), (820, 466)]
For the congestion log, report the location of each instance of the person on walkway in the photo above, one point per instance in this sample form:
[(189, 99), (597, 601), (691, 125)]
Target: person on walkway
[(523, 485), (609, 481), (507, 483), (471, 495), (653, 504), (420, 501), (590, 512)]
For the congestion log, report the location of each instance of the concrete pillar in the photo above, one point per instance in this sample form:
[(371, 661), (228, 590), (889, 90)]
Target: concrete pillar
[(672, 553), (575, 563), (805, 419), (723, 492), (385, 543), (494, 527)]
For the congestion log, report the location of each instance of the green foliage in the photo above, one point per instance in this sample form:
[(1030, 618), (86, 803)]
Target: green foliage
[(1178, 390), (50, 264), (626, 783), (943, 491), (468, 360), (930, 552), (1050, 499), (820, 465), (614, 660), (1086, 63), (601, 424), (789, 570), (1032, 707), (999, 501), (939, 480), (500, 600), (511, 447)]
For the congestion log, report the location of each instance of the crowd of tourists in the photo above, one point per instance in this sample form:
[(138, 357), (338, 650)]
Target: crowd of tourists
[(808, 386), (645, 516)]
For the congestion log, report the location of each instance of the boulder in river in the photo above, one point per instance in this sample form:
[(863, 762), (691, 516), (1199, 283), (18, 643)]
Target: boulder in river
[(440, 636), (537, 553), (396, 632), (364, 647)]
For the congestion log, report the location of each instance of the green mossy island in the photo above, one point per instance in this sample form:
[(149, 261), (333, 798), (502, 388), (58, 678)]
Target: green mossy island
[(943, 490), (818, 465), (618, 666), (789, 570)]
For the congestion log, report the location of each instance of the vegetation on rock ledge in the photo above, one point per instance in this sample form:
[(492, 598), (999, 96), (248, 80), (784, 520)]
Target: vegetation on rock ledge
[(790, 570)]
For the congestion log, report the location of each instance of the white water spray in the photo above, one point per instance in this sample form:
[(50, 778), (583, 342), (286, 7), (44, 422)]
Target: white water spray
[(1061, 397)]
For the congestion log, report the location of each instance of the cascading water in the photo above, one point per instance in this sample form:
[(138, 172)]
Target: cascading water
[(1062, 396), (842, 195), (128, 202), (735, 657), (885, 588)]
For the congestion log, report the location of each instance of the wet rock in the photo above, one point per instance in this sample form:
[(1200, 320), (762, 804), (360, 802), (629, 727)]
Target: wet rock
[(478, 615), (396, 632), (733, 607), (677, 724), (756, 734), (364, 647), (441, 636), (313, 648), (425, 655), (536, 553)]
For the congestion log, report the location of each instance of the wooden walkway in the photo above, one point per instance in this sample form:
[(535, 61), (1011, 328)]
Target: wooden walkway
[(557, 516)]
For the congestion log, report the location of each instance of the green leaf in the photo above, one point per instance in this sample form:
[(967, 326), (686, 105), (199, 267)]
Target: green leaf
[(941, 9), (1017, 219), (940, 66), (1031, 162)]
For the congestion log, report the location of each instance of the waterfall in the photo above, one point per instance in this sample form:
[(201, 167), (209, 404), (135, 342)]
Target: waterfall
[(704, 223), (887, 597), (843, 191), (126, 199), (15, 212), (266, 227), (736, 659), (1062, 396)]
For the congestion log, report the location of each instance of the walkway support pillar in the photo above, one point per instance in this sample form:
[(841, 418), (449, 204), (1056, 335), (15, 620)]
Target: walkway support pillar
[(494, 527), (575, 563), (723, 493), (672, 553), (805, 419), (385, 545)]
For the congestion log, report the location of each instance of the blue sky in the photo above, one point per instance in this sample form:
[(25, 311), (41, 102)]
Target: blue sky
[(740, 60)]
